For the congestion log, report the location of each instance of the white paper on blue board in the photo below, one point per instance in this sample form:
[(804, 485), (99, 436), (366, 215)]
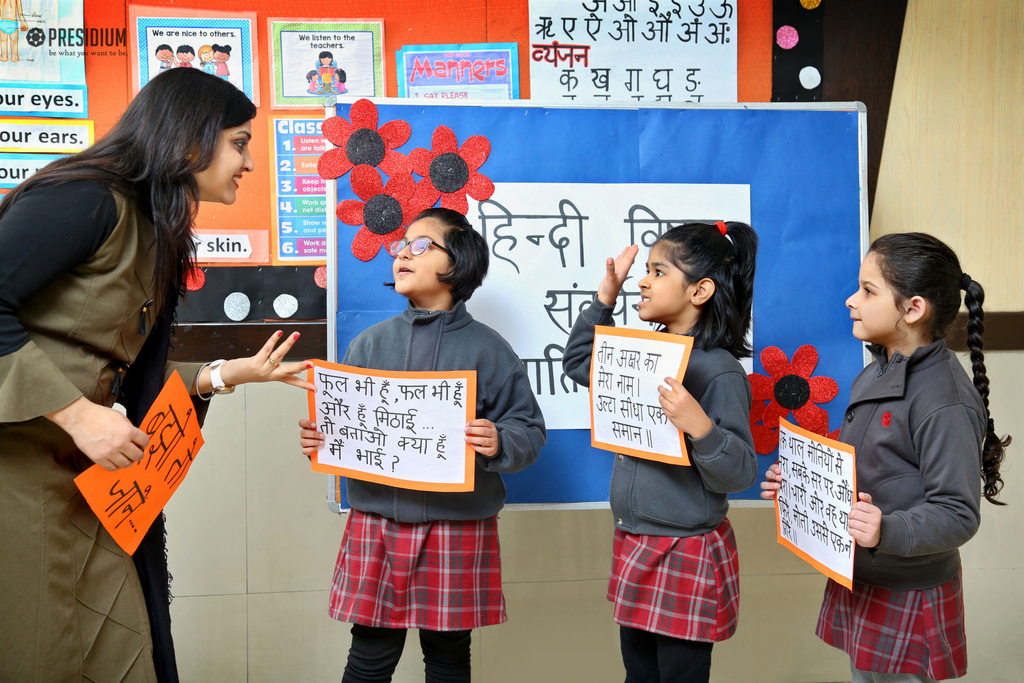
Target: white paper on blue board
[(598, 52), (549, 242)]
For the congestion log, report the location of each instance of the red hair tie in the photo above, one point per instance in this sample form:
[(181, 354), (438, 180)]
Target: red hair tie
[(721, 227)]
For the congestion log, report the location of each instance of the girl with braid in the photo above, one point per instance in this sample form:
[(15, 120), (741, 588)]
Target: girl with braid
[(927, 451)]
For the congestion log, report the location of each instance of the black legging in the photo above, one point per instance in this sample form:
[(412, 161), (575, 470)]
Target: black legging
[(653, 658), (375, 653)]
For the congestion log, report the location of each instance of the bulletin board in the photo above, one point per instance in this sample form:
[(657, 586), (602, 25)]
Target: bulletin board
[(804, 165)]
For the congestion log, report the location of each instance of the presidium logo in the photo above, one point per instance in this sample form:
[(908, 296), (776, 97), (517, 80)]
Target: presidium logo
[(35, 37)]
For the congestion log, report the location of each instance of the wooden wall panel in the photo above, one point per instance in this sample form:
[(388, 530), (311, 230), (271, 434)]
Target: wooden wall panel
[(953, 161)]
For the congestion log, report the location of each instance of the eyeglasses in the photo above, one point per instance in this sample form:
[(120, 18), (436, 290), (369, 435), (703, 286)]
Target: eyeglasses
[(416, 246)]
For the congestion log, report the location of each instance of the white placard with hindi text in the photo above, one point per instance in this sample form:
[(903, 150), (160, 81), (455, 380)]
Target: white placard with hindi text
[(626, 368), (812, 506), (597, 52), (404, 429)]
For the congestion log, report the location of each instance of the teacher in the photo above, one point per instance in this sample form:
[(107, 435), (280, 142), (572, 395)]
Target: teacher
[(94, 251)]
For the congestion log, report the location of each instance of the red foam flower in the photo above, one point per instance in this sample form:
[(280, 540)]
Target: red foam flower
[(789, 387), (362, 142), (451, 172), (383, 213)]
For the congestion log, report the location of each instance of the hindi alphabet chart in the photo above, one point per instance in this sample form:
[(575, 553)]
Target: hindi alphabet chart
[(128, 500), (637, 51), (300, 194), (625, 370), (548, 244), (403, 429), (812, 506)]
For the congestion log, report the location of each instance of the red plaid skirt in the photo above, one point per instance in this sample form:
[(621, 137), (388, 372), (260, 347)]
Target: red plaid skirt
[(914, 632), (680, 587), (441, 576)]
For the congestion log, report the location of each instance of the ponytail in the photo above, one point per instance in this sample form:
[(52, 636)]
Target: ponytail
[(918, 264), (703, 250), (994, 449)]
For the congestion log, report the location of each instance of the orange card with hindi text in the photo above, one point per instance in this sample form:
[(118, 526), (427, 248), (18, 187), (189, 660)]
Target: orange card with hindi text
[(128, 500)]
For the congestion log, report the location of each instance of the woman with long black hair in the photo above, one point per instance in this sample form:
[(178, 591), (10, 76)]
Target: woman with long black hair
[(94, 251)]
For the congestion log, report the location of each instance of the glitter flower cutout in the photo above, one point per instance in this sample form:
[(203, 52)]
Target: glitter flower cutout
[(451, 172), (383, 213), (361, 142), (789, 387)]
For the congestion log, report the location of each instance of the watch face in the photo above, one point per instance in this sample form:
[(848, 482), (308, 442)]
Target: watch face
[(224, 390)]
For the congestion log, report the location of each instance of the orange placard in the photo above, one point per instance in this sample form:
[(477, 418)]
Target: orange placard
[(832, 506), (403, 429), (128, 500), (625, 413)]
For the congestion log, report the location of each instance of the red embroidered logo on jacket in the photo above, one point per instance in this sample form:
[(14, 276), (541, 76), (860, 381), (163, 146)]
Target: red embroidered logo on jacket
[(887, 419)]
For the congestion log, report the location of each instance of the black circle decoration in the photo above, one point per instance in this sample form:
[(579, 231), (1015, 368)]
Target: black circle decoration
[(365, 146), (382, 214), (792, 392), (449, 172), (35, 37)]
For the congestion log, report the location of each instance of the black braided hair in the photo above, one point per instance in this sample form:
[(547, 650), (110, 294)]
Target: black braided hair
[(917, 264)]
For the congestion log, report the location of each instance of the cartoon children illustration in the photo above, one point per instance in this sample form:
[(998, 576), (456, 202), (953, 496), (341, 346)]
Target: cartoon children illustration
[(221, 55), (326, 78), (206, 62), (185, 55), (12, 19), (165, 55)]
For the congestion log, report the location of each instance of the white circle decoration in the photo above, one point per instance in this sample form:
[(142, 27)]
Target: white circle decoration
[(810, 78), (236, 306), (285, 306)]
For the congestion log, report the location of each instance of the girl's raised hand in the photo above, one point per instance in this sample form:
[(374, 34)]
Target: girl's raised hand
[(683, 410), (616, 270), (773, 480), (865, 522)]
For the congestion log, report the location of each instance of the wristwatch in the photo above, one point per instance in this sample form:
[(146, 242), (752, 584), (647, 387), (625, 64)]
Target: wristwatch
[(218, 384)]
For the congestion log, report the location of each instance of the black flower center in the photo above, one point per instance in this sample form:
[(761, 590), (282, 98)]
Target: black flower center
[(365, 146), (449, 172), (382, 214), (792, 392)]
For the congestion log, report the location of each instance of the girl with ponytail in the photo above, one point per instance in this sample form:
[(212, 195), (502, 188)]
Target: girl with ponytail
[(926, 452), (675, 573)]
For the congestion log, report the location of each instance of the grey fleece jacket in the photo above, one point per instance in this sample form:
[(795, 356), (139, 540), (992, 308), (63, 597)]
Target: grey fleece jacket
[(453, 340), (660, 499), (921, 464)]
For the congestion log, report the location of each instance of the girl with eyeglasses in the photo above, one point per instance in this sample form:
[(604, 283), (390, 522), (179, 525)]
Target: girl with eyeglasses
[(430, 560)]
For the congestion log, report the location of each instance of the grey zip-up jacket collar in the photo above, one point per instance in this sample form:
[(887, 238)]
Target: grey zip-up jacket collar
[(917, 425)]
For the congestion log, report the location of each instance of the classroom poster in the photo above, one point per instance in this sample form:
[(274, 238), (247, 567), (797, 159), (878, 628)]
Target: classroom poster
[(128, 500), (482, 71), (549, 242), (220, 43), (598, 52), (42, 58), (313, 59), (812, 506), (626, 369), (17, 168), (52, 137), (299, 193), (404, 429)]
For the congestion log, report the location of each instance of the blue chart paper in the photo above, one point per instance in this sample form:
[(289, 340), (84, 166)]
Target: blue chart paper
[(804, 169)]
